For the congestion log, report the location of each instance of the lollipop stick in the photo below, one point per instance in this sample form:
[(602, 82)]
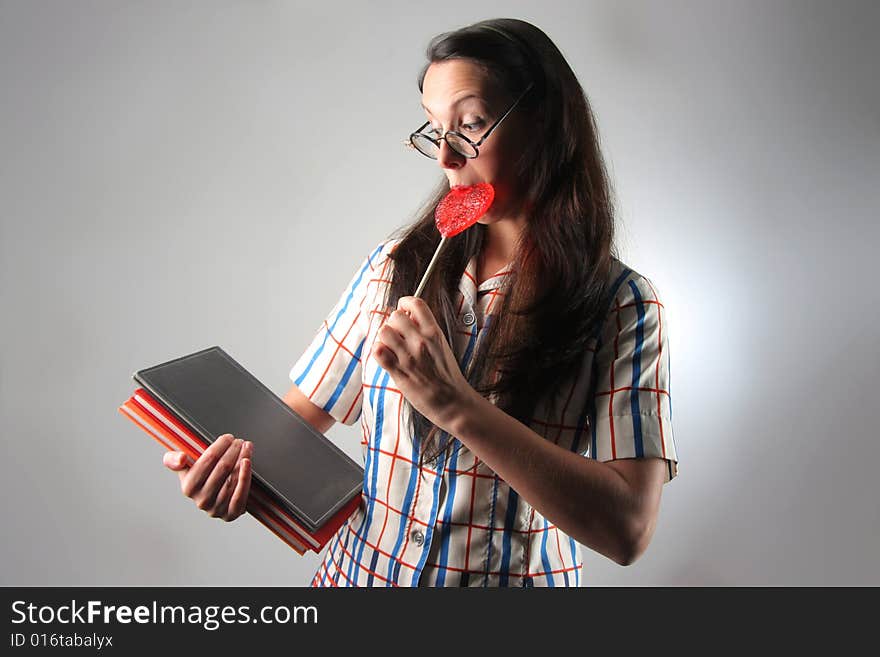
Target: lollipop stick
[(431, 266)]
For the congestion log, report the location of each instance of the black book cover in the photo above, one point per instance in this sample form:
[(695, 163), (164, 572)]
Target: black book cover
[(213, 394)]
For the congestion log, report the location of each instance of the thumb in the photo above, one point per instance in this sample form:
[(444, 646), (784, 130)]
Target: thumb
[(174, 460)]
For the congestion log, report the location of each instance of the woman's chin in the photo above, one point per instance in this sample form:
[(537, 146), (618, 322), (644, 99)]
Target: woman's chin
[(494, 214)]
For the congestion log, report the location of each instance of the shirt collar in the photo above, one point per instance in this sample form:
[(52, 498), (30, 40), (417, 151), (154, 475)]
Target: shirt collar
[(468, 285)]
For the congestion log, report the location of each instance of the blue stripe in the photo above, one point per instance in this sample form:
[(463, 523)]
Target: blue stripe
[(509, 523), (564, 572), (371, 465), (668, 376), (487, 322), (343, 382), (669, 397), (374, 388), (593, 449), (368, 265), (394, 563), (472, 340), (582, 420), (429, 534), (574, 561), (591, 406), (446, 530), (368, 466), (637, 372), (321, 573), (491, 530), (545, 558), (342, 556)]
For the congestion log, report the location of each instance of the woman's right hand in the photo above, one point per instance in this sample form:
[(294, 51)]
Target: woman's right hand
[(219, 481)]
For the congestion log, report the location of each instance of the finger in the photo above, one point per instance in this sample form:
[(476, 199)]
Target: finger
[(387, 359), (211, 488), (174, 460), (204, 465), (392, 339), (403, 324), (420, 314), (410, 350), (221, 502), (238, 503)]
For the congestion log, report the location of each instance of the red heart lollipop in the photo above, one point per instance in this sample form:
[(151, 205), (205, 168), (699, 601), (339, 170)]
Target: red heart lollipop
[(462, 207)]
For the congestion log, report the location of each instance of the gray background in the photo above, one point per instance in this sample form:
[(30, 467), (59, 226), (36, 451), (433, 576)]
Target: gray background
[(181, 174)]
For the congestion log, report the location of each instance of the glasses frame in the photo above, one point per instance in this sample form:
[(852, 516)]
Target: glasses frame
[(418, 134)]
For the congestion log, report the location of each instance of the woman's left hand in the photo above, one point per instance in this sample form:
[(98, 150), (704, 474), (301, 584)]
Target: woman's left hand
[(411, 347)]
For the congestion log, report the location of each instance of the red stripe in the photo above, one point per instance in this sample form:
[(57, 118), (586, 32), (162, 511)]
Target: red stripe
[(425, 468), (565, 408), (467, 547), (611, 387), (393, 463), (353, 405), (335, 353), (657, 369)]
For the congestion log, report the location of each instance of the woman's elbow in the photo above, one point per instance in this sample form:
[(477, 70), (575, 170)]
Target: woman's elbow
[(634, 544)]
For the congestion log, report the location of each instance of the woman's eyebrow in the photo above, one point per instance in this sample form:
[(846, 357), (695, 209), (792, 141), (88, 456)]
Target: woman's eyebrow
[(463, 98)]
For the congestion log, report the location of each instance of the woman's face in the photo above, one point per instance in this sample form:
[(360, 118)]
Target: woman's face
[(457, 95)]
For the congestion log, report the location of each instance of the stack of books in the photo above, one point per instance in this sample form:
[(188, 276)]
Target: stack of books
[(303, 487)]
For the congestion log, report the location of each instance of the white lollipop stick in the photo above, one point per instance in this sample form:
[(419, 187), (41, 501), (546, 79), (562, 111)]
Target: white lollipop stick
[(431, 266)]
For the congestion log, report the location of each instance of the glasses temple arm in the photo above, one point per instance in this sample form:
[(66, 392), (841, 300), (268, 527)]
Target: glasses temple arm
[(498, 122)]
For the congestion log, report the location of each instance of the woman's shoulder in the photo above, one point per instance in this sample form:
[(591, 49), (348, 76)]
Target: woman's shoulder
[(378, 255), (384, 248), (626, 284), (376, 269)]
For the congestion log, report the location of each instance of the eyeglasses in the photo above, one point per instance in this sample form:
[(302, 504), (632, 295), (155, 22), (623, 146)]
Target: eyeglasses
[(430, 146)]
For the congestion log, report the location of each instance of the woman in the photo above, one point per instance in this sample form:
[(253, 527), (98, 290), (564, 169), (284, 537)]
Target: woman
[(531, 348)]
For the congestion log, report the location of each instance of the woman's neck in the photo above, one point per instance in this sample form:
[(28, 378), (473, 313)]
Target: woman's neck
[(500, 240), (499, 247)]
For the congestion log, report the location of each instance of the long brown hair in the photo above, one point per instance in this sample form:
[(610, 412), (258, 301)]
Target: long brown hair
[(557, 286)]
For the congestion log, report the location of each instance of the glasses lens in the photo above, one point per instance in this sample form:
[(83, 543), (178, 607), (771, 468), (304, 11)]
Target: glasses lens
[(424, 144), (460, 145)]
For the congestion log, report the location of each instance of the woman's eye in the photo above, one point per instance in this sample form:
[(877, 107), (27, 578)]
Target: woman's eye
[(469, 127)]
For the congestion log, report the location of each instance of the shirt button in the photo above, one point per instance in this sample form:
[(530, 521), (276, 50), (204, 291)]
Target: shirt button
[(418, 537), (468, 318)]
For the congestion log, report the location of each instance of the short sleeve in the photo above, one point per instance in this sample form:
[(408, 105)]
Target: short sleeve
[(329, 371), (632, 406)]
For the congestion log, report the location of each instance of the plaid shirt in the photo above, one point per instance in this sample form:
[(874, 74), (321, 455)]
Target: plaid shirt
[(458, 523)]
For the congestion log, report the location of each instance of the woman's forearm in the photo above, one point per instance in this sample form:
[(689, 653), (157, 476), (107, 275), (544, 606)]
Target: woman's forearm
[(585, 498)]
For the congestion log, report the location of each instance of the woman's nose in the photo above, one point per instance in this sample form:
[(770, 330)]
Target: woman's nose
[(448, 158)]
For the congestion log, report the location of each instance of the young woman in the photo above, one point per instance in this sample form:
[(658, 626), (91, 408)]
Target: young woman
[(519, 408)]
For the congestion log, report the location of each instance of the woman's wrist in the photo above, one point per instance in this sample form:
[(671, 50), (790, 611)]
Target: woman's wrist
[(461, 412)]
